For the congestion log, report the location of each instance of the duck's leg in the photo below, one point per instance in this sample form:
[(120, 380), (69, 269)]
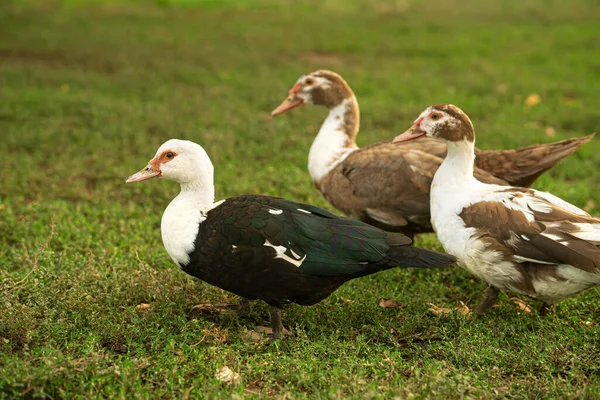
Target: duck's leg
[(546, 309), (489, 299), (244, 307), (276, 324)]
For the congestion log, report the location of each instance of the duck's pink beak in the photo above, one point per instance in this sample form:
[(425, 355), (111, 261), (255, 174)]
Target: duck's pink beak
[(412, 133), (146, 173), (292, 101)]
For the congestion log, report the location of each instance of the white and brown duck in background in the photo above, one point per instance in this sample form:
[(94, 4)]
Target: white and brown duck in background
[(268, 248), (388, 185), (517, 239)]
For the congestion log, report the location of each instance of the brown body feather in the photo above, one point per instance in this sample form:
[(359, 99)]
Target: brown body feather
[(547, 239)]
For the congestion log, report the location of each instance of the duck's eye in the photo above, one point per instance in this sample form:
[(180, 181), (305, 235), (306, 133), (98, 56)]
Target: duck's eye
[(170, 155), (435, 116), (309, 81)]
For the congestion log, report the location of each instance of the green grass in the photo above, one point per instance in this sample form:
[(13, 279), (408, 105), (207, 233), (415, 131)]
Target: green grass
[(89, 92)]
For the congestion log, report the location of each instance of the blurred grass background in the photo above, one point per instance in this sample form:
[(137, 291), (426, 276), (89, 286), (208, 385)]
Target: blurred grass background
[(90, 89)]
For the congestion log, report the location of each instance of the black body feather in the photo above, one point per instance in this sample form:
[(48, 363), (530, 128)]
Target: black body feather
[(235, 249)]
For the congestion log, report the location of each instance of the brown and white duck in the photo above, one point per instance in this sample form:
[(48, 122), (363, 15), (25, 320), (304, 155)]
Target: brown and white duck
[(267, 248), (516, 239), (388, 185)]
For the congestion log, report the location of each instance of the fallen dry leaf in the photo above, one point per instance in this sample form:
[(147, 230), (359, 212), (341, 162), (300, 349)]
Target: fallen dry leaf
[(226, 375), (212, 335), (264, 329), (263, 332), (463, 309), (439, 311), (142, 307), (259, 333), (521, 305), (254, 336), (533, 99), (550, 131), (390, 303), (589, 324)]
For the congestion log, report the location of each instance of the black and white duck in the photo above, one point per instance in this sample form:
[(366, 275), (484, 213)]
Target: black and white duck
[(268, 248)]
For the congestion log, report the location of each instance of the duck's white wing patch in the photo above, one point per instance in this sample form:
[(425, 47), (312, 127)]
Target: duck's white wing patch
[(556, 233), (557, 201), (275, 211), (512, 200), (589, 232), (521, 259), (280, 253), (539, 206), (530, 202), (304, 211)]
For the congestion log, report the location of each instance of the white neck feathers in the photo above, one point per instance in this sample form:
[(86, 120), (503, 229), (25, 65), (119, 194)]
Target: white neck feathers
[(333, 142), (452, 188), (457, 168), (185, 213)]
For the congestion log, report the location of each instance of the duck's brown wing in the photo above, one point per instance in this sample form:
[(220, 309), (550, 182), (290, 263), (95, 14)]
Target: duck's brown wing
[(388, 183), (427, 147), (518, 167), (430, 146), (536, 228)]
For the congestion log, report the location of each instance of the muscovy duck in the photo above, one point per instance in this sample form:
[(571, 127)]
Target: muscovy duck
[(268, 248), (514, 238)]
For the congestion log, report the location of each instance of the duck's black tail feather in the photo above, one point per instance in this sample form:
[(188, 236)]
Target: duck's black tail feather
[(402, 255)]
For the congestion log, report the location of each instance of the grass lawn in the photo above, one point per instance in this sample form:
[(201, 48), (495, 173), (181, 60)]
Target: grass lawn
[(92, 306)]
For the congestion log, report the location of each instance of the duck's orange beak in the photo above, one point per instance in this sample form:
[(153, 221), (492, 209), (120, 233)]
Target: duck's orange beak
[(292, 101), (412, 133), (150, 171)]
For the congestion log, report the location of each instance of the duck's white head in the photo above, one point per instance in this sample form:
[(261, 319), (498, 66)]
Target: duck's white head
[(322, 87), (181, 161), (444, 122)]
